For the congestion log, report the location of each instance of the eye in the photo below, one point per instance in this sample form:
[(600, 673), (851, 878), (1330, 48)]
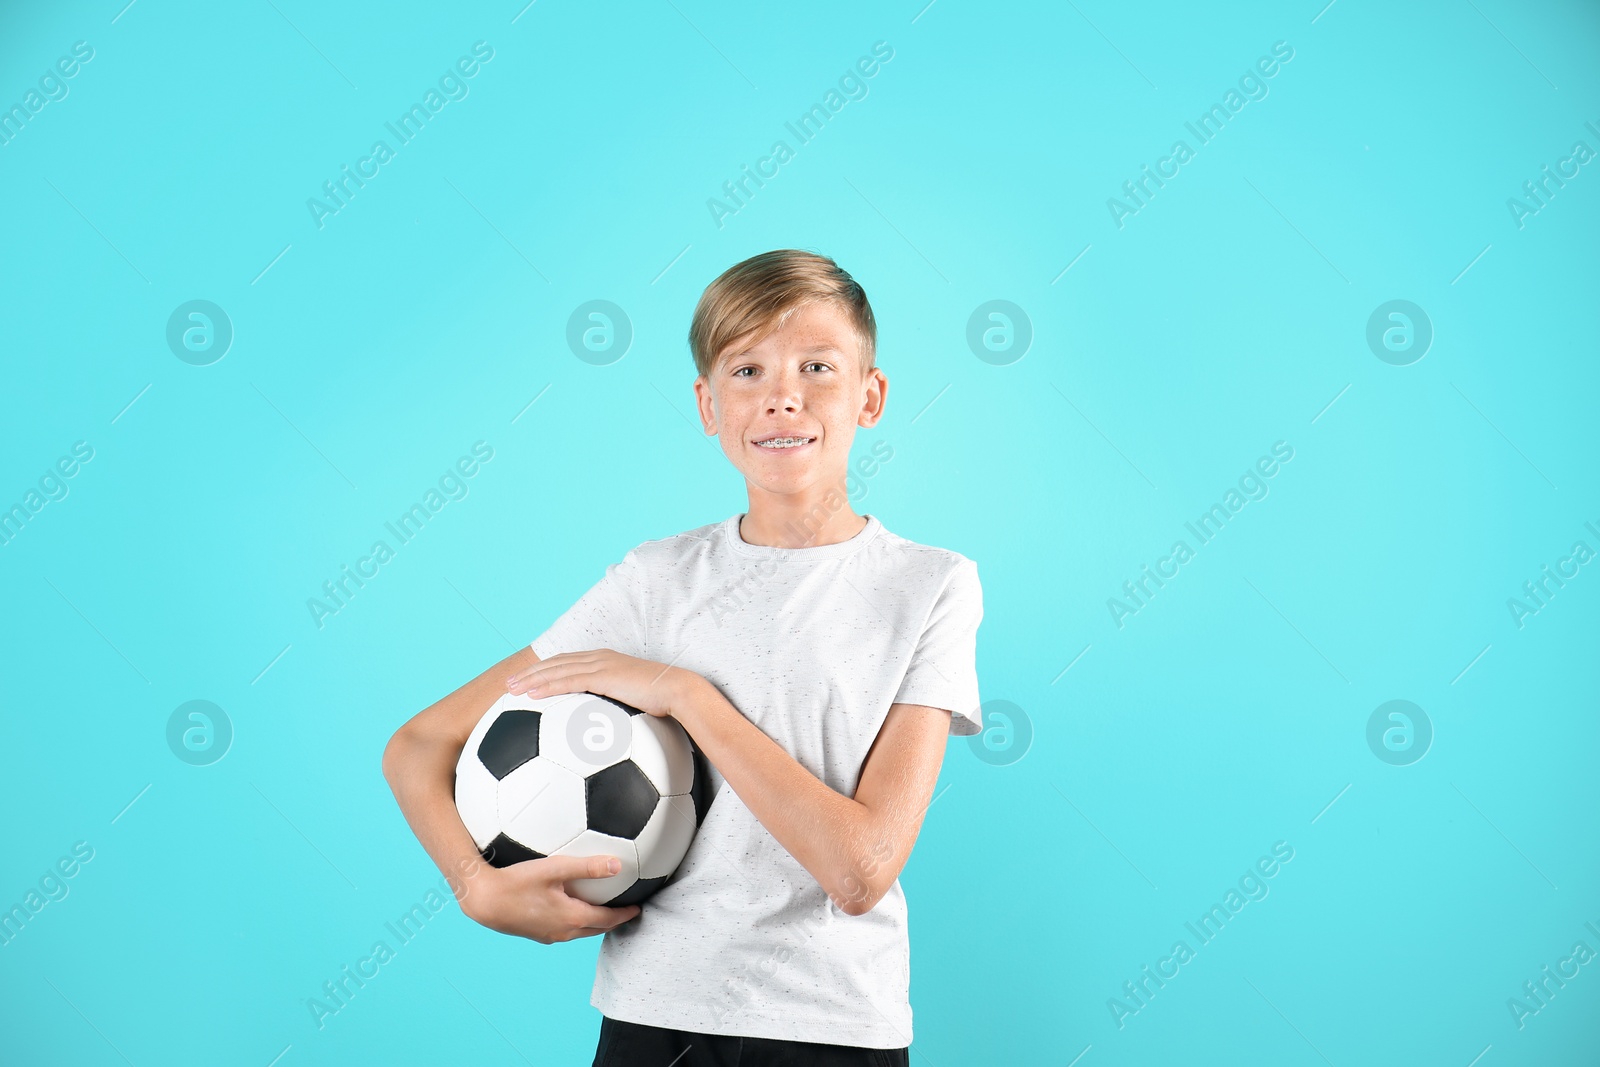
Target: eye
[(739, 372)]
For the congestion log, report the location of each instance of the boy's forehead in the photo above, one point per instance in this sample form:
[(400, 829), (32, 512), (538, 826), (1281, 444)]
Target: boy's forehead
[(807, 330)]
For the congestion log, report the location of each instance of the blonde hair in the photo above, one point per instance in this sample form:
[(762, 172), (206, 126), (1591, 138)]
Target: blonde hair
[(757, 295)]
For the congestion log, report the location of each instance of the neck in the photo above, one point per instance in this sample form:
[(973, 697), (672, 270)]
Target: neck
[(825, 518)]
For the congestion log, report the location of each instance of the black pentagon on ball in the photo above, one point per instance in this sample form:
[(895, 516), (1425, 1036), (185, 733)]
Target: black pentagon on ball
[(637, 892), (511, 740), (503, 852), (700, 792), (620, 800)]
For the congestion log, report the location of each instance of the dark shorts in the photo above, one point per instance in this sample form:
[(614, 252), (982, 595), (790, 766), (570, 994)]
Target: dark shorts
[(624, 1044)]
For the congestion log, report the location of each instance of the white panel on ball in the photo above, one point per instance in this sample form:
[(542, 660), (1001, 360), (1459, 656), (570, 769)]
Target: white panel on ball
[(477, 791), (598, 728), (594, 843), (661, 749), (542, 805), (665, 838)]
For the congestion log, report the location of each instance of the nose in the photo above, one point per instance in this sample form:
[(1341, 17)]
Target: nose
[(785, 395)]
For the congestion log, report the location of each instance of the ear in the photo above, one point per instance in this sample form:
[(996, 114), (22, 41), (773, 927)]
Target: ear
[(876, 387), (706, 404)]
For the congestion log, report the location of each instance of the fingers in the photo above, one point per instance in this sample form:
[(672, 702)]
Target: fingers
[(586, 920), (561, 659), (552, 674), (596, 917), (590, 931), (524, 678), (564, 869), (580, 917), (571, 916)]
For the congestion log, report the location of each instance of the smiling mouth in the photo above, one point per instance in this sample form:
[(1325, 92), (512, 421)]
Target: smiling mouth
[(783, 443)]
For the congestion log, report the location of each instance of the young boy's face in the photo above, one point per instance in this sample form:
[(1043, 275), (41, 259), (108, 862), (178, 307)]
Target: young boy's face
[(802, 380)]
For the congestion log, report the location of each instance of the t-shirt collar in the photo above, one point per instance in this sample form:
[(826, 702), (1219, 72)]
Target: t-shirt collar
[(730, 533)]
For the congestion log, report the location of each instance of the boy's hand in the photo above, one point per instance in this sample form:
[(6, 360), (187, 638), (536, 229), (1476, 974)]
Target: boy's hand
[(530, 899), (654, 688)]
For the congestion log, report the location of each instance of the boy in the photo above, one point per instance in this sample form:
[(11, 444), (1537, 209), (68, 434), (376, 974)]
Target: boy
[(818, 661)]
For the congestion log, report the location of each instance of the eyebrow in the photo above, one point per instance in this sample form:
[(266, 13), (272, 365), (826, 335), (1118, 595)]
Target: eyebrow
[(809, 350)]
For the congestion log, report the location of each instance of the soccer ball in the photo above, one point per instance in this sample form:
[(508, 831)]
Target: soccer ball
[(582, 775)]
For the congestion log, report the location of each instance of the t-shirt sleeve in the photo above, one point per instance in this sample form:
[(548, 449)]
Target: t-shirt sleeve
[(944, 668), (610, 615)]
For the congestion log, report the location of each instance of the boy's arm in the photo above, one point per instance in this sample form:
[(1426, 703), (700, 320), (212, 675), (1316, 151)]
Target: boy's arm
[(528, 899), (419, 763), (854, 847)]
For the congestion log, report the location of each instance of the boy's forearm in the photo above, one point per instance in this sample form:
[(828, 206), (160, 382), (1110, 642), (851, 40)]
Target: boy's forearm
[(421, 773), (820, 827)]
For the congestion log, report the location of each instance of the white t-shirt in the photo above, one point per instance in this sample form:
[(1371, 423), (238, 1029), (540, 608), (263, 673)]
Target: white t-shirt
[(812, 645)]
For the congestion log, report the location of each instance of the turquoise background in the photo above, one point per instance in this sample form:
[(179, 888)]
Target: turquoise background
[(1230, 713)]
